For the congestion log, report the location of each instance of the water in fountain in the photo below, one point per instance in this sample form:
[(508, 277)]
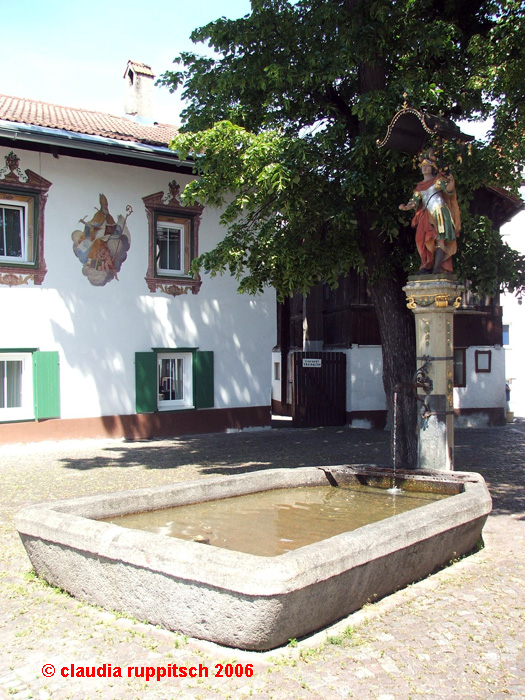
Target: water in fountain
[(270, 523)]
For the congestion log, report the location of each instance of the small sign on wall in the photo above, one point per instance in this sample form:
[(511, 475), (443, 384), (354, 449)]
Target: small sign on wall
[(312, 362)]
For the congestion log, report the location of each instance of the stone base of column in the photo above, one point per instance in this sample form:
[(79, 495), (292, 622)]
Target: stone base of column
[(436, 435)]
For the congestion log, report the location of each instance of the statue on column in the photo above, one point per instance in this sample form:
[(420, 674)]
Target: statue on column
[(437, 219)]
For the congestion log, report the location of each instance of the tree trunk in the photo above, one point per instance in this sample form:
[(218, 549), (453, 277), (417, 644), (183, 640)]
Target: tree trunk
[(396, 322), (397, 329), (398, 343)]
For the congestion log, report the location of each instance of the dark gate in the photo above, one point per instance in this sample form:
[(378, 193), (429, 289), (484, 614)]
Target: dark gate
[(319, 389)]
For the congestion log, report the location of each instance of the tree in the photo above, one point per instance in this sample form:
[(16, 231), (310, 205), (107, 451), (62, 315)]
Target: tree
[(282, 122)]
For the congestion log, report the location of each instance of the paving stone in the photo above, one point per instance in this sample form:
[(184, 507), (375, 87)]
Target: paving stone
[(458, 633)]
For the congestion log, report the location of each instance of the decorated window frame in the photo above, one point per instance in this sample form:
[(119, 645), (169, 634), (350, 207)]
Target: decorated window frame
[(483, 361), (173, 242), (23, 194)]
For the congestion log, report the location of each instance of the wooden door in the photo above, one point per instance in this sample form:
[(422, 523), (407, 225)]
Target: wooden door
[(319, 389)]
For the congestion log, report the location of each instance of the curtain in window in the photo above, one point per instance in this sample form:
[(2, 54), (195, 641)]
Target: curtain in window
[(11, 383), (11, 228)]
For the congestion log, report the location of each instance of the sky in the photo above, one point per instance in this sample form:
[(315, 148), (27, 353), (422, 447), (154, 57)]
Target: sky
[(75, 52)]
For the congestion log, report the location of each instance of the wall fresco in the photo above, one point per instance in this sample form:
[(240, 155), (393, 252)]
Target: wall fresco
[(102, 246)]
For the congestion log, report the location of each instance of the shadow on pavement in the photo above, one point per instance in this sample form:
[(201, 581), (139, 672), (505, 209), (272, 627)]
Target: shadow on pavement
[(496, 453)]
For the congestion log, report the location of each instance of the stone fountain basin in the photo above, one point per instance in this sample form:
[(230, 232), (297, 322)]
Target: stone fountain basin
[(237, 599)]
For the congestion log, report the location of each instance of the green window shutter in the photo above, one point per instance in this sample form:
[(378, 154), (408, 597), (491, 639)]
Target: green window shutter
[(203, 389), (46, 385), (145, 382)]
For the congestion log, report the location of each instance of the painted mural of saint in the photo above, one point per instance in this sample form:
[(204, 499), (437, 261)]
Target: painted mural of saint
[(103, 245)]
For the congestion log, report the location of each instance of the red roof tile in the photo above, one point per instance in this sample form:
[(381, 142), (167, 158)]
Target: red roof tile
[(82, 121)]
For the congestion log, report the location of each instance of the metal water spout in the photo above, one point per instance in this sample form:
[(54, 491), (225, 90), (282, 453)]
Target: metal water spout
[(421, 380)]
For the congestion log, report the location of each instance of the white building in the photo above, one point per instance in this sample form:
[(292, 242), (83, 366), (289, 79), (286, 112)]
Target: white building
[(514, 325), (104, 331)]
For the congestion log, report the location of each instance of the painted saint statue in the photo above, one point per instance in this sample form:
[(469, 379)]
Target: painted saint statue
[(103, 245), (437, 219)]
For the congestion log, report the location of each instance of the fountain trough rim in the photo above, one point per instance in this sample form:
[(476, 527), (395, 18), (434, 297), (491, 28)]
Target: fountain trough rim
[(64, 536)]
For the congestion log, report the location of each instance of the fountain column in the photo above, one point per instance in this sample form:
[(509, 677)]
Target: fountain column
[(433, 298)]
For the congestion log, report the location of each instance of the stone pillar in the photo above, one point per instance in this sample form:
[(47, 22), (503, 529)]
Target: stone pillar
[(433, 299)]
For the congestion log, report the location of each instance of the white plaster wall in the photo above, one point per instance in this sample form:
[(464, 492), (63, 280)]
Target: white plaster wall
[(514, 364), (364, 386), (276, 383), (483, 390), (514, 316), (97, 330), (365, 382)]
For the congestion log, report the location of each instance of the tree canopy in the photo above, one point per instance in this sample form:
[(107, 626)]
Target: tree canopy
[(283, 123)]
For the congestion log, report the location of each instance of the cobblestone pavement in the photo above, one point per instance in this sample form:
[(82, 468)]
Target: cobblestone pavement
[(459, 633)]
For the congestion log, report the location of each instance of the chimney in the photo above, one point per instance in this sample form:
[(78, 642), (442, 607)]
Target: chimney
[(139, 91)]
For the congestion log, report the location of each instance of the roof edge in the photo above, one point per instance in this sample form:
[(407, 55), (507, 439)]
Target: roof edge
[(87, 142)]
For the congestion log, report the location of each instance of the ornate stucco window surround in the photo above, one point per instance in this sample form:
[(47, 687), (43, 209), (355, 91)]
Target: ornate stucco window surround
[(23, 197), (172, 242)]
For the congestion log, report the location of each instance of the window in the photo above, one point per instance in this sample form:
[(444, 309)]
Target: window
[(168, 379), (29, 385), (483, 359), (16, 387), (15, 244), (505, 334), (460, 375), (173, 249), (175, 381), (173, 242), (22, 201)]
